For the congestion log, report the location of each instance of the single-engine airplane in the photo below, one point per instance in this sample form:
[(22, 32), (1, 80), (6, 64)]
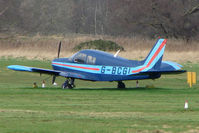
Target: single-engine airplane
[(95, 65)]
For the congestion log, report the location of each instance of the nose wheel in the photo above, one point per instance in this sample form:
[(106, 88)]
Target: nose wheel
[(121, 85), (69, 83)]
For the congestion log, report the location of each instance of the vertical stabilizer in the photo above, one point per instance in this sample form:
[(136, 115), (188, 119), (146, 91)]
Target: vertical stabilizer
[(154, 58)]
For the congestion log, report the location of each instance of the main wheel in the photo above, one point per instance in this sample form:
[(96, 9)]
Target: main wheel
[(121, 85), (65, 84), (70, 86)]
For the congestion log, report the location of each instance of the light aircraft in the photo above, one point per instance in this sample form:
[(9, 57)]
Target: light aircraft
[(95, 65)]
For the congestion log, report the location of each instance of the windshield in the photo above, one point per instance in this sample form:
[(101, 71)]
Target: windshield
[(80, 58), (83, 58)]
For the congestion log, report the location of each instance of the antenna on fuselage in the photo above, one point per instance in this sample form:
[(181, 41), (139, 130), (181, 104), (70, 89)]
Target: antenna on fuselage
[(115, 55)]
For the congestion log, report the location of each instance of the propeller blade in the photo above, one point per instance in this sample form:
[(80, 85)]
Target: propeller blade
[(53, 80), (59, 49)]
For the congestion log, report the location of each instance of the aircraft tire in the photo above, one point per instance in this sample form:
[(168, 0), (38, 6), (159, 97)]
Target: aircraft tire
[(121, 85), (70, 86), (64, 86)]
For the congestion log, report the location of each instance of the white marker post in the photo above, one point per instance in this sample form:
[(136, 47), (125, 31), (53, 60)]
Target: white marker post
[(186, 106), (43, 84)]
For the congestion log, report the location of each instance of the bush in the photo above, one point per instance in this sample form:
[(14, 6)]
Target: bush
[(103, 45)]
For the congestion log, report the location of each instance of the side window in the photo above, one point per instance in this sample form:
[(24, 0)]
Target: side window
[(91, 60), (80, 58)]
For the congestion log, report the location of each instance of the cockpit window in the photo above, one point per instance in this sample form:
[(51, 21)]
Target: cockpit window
[(83, 58), (91, 60), (80, 58)]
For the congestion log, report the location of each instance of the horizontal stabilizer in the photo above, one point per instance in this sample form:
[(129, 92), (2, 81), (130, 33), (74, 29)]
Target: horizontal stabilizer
[(163, 72)]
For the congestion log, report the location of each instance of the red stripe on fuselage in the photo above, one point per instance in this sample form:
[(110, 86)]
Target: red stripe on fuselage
[(88, 68), (156, 53)]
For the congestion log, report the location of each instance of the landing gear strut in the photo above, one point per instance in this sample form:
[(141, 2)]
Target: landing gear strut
[(69, 83), (121, 85)]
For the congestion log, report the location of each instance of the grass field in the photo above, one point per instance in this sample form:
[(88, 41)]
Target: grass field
[(95, 106)]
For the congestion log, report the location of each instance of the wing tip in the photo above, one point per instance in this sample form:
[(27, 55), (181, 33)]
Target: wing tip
[(19, 68)]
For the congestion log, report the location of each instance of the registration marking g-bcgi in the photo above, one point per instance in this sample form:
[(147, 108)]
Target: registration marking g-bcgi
[(115, 70)]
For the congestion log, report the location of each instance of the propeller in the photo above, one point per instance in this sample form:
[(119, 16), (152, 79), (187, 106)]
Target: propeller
[(59, 49)]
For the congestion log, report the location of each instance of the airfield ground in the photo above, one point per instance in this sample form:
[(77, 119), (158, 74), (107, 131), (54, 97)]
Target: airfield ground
[(95, 106)]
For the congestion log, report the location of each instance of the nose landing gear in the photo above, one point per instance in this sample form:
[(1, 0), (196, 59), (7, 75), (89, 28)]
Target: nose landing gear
[(69, 83)]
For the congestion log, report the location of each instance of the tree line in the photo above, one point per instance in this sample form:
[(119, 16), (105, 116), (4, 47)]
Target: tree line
[(152, 18)]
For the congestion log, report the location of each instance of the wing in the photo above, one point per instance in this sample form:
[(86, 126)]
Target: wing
[(45, 71), (33, 69)]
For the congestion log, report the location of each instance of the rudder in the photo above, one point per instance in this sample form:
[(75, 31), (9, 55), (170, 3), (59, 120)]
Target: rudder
[(154, 58)]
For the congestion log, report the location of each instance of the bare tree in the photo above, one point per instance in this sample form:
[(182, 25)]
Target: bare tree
[(168, 18)]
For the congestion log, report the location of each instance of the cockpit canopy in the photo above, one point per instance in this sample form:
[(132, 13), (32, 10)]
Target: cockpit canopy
[(96, 57), (83, 58)]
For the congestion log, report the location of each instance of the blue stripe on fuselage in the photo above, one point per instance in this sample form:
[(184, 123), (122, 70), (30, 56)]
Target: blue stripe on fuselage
[(109, 70)]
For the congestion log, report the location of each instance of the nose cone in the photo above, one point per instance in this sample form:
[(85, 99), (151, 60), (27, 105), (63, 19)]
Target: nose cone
[(60, 60), (56, 63), (56, 60)]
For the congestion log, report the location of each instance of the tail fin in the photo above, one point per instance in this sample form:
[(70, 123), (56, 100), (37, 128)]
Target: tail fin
[(154, 58)]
